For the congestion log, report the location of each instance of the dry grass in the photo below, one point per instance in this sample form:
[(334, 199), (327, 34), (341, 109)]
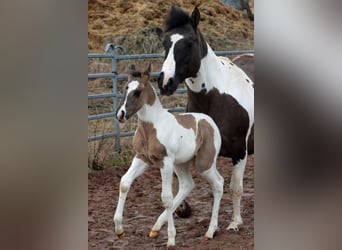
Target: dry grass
[(133, 24)]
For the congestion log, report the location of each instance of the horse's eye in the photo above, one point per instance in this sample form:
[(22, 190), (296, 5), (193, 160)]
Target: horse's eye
[(136, 93), (189, 43), (166, 43), (126, 87)]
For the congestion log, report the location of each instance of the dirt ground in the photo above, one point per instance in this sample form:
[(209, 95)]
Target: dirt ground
[(143, 206)]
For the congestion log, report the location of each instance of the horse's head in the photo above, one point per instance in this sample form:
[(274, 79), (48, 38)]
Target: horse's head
[(135, 95), (184, 48)]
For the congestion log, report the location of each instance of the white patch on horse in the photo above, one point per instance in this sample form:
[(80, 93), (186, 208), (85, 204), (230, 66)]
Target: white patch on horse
[(169, 66), (226, 79)]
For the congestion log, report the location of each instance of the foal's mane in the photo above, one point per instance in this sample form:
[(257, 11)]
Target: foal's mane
[(176, 17)]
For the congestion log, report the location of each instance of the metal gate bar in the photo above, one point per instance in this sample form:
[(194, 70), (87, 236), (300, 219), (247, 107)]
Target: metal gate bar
[(110, 52)]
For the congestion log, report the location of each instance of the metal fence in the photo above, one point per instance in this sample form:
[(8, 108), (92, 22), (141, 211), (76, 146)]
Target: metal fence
[(111, 52)]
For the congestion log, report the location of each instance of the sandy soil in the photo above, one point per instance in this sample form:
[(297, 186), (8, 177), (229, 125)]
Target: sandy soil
[(143, 206)]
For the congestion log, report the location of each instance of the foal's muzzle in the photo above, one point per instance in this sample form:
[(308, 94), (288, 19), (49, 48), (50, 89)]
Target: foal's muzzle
[(170, 87), (120, 115)]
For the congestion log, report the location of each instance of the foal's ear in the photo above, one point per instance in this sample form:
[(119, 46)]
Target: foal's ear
[(195, 17), (146, 75), (131, 70)]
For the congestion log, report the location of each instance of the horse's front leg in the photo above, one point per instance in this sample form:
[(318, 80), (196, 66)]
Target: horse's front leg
[(137, 167), (236, 188), (167, 198)]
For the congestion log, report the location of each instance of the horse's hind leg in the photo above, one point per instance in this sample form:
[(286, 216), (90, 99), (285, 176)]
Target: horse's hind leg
[(137, 168), (236, 188), (186, 184), (216, 182)]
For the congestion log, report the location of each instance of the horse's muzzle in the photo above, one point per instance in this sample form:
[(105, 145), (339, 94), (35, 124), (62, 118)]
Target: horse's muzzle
[(120, 115), (170, 87)]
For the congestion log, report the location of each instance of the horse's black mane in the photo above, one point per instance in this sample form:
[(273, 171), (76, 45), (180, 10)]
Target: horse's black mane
[(176, 18)]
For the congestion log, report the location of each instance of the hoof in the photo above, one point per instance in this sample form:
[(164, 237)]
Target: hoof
[(206, 237), (209, 236), (121, 236), (153, 234), (233, 230), (184, 210), (171, 245)]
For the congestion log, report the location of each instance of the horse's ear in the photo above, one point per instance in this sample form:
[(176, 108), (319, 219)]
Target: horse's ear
[(146, 75), (195, 17), (131, 70), (159, 32)]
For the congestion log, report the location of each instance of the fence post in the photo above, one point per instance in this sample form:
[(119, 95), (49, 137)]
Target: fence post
[(113, 48)]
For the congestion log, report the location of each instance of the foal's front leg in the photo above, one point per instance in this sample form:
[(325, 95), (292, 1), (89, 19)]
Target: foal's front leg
[(167, 198), (137, 168), (186, 184)]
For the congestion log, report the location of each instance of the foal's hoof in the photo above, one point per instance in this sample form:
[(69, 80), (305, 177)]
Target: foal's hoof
[(233, 230), (121, 236), (184, 210), (209, 235), (234, 226), (153, 234)]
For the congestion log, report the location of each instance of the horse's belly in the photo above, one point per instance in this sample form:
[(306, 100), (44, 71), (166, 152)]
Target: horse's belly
[(185, 151)]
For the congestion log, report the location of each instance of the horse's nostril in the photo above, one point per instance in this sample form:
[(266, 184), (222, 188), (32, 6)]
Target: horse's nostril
[(161, 79), (170, 81), (122, 114)]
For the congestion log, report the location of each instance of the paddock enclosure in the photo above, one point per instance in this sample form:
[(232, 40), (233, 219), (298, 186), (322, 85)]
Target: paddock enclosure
[(143, 206), (116, 54), (121, 33)]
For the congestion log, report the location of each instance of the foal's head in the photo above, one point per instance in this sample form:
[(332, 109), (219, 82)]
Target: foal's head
[(137, 92), (184, 48)]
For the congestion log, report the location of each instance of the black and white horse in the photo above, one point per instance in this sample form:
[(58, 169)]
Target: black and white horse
[(216, 86)]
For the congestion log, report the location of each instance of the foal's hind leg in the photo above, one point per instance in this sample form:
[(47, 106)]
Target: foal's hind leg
[(186, 184), (137, 168), (183, 210), (216, 182)]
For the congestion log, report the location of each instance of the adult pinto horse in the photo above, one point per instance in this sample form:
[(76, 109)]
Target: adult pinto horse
[(215, 86)]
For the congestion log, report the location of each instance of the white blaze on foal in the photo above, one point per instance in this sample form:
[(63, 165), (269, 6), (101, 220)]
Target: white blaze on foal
[(173, 143)]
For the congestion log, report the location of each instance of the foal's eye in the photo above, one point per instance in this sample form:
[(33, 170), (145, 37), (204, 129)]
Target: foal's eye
[(136, 93)]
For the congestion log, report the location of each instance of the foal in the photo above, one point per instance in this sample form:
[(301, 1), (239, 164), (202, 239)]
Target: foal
[(173, 143)]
